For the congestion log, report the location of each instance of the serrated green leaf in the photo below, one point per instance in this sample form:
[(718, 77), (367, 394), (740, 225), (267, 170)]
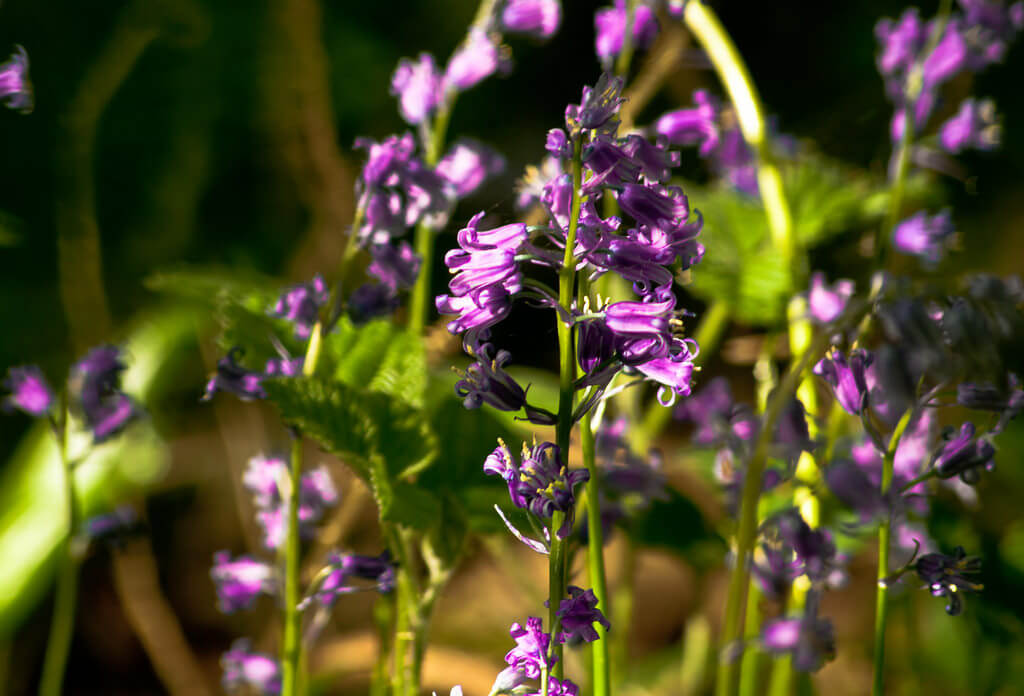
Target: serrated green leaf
[(360, 426), (380, 356)]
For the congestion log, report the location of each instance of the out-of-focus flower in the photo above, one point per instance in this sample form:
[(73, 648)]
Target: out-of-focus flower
[(810, 639), (96, 389), (537, 18), (243, 668), (15, 88), (241, 580), (696, 126), (826, 303), (233, 378), (418, 86), (343, 569), (301, 305), (467, 164), (974, 127), (29, 391), (949, 576), (927, 237), (476, 59), (610, 23)]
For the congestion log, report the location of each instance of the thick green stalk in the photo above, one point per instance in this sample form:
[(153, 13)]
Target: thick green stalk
[(709, 332), (601, 677), (384, 619), (726, 60), (292, 643), (750, 667), (63, 623), (884, 532), (625, 56), (746, 534)]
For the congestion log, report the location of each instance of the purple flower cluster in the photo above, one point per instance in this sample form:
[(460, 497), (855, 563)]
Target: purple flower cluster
[(341, 572), (300, 304), (528, 660), (95, 385), (577, 616), (241, 580), (611, 24), (541, 483), (245, 669), (916, 58), (808, 638), (15, 88), (263, 477)]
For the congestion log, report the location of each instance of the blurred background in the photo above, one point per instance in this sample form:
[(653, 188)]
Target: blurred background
[(217, 133)]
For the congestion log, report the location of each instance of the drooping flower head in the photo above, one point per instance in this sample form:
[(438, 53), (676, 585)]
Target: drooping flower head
[(241, 580), (949, 576), (964, 455), (29, 391), (925, 236), (233, 378), (244, 668), (809, 639), (696, 126), (418, 86), (468, 163), (826, 303), (975, 126), (476, 59), (344, 569), (846, 376), (610, 23), (487, 382), (96, 390), (15, 88), (537, 18), (530, 655)]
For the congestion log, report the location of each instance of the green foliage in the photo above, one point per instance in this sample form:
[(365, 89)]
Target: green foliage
[(380, 356), (677, 524)]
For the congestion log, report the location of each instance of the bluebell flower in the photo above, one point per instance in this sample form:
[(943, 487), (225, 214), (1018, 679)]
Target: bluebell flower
[(924, 236), (846, 376), (244, 668), (809, 639), (577, 616), (949, 576), (693, 126), (301, 305), (395, 265), (486, 381), (418, 86), (536, 18), (241, 580), (15, 88), (826, 303), (96, 390), (342, 570), (467, 164), (530, 656), (29, 391), (964, 455), (476, 59), (371, 301), (233, 378), (610, 24)]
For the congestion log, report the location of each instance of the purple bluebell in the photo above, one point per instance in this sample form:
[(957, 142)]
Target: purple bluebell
[(598, 108), (595, 351), (923, 108), (15, 88), (655, 159), (96, 389), (974, 127), (301, 305), (541, 484), (948, 58), (476, 59), (241, 580), (625, 475), (673, 371), (537, 18), (245, 669), (486, 258), (557, 144), (846, 376), (263, 477), (900, 43), (418, 86), (530, 656), (29, 391), (112, 527), (557, 687), (696, 126), (709, 410), (468, 163), (964, 454), (577, 615), (479, 310), (733, 161), (395, 265), (655, 205), (809, 639), (284, 367), (949, 576), (610, 24), (826, 303), (773, 569), (342, 570), (610, 162), (370, 301), (386, 160), (988, 27), (814, 548), (643, 330), (487, 382), (233, 378), (927, 237)]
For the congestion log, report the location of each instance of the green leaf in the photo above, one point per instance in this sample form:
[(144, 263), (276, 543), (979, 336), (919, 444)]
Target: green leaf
[(360, 426), (381, 356), (413, 507)]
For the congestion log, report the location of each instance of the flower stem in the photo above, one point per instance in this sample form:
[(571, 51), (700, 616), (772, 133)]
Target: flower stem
[(625, 56), (601, 677), (384, 618), (63, 623), (884, 533), (727, 62), (751, 666), (291, 644)]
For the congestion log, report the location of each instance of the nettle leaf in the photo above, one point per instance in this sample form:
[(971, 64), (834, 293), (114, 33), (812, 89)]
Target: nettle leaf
[(382, 439), (381, 356)]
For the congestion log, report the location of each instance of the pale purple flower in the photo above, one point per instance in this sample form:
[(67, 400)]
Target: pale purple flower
[(846, 376), (395, 265), (537, 18), (674, 371), (643, 330), (532, 185), (467, 164), (29, 391), (476, 59), (96, 388), (809, 639), (826, 303), (696, 126), (486, 258), (974, 127), (344, 569), (949, 57), (263, 477), (418, 86), (924, 236), (241, 580), (530, 655), (900, 42), (15, 88), (243, 668), (477, 310), (610, 23), (301, 303)]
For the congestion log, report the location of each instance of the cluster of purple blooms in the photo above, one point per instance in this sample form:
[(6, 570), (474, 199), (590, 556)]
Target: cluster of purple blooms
[(239, 581), (915, 59)]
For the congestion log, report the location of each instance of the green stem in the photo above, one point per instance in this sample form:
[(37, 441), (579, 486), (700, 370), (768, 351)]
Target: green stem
[(291, 645), (727, 62), (625, 56), (384, 618), (63, 623), (622, 611), (884, 533), (709, 332), (746, 534), (750, 668), (595, 561)]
